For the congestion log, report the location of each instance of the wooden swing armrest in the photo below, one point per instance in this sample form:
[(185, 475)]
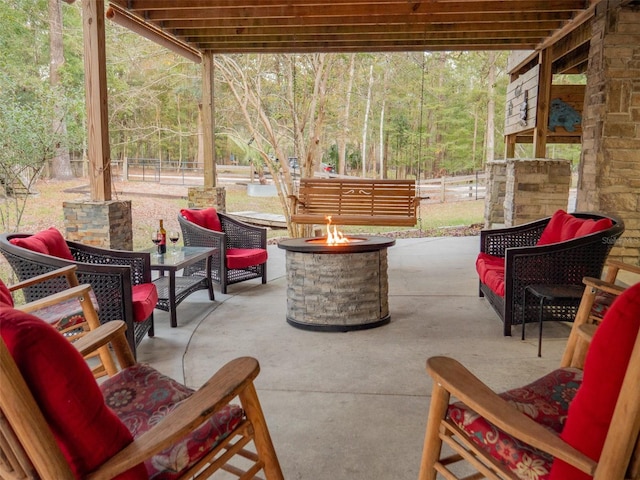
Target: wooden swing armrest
[(466, 387)]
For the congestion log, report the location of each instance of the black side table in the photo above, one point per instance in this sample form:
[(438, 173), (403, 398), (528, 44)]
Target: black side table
[(553, 295)]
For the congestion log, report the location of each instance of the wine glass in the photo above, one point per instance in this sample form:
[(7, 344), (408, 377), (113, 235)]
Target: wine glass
[(156, 238), (174, 236)]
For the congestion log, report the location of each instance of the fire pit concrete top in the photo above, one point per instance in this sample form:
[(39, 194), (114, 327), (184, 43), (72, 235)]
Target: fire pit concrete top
[(357, 244)]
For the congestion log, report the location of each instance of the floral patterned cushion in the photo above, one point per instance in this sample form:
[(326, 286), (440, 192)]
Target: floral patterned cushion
[(601, 304), (65, 314), (546, 401), (141, 397)]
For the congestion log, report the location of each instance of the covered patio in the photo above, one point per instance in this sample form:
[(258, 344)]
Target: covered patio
[(348, 406)]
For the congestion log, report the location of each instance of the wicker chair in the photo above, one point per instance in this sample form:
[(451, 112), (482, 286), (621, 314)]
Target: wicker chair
[(525, 263), (244, 242), (111, 273)]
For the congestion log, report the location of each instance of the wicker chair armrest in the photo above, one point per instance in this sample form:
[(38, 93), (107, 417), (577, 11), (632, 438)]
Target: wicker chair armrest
[(497, 241), (69, 272), (196, 236), (139, 262), (242, 235)]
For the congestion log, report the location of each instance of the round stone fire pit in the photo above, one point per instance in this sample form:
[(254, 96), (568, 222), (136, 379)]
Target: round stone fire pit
[(337, 287)]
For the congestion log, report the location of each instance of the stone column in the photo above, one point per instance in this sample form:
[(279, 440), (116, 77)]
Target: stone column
[(535, 188), (203, 197), (101, 224), (496, 185), (610, 161)]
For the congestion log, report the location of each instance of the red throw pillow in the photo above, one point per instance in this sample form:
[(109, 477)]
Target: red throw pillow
[(87, 431), (564, 226), (49, 242), (592, 408), (593, 226), (206, 218)]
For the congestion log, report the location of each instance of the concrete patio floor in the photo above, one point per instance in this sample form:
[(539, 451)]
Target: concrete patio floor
[(354, 405)]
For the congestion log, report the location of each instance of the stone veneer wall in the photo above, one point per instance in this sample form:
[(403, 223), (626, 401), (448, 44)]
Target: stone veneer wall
[(523, 190), (536, 188), (494, 198), (610, 162), (203, 197), (101, 224)]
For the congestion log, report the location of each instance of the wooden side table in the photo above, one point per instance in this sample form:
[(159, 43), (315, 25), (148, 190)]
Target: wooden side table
[(552, 295)]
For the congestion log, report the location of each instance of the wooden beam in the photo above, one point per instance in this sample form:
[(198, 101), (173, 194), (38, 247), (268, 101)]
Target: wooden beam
[(544, 100), (95, 81), (208, 125)]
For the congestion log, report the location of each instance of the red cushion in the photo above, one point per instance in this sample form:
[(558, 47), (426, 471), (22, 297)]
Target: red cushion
[(141, 397), (49, 242), (206, 217), (593, 226), (592, 409), (564, 226), (145, 298), (491, 272), (6, 300), (245, 257), (31, 243), (87, 431)]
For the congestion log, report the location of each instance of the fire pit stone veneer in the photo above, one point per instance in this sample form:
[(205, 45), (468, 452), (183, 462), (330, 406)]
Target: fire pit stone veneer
[(337, 287)]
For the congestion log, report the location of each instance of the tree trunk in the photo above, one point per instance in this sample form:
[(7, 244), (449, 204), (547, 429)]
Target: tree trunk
[(365, 127), (60, 163), (491, 106), (343, 131)]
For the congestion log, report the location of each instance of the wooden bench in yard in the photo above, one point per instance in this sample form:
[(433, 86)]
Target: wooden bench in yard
[(356, 202)]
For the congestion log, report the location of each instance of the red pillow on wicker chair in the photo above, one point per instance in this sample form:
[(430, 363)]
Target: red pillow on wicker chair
[(60, 380), (206, 218), (591, 411), (49, 242)]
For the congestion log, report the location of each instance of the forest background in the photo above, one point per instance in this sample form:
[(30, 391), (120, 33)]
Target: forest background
[(389, 115)]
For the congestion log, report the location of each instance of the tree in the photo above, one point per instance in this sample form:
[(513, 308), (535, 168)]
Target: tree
[(61, 163), (281, 100)]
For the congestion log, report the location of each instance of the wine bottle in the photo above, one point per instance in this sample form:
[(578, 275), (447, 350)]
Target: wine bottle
[(162, 246)]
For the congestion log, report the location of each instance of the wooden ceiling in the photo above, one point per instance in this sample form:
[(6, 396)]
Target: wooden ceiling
[(296, 26)]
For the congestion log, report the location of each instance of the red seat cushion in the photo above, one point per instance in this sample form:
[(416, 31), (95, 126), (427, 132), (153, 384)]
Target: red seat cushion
[(206, 218), (546, 401), (65, 314), (245, 257), (564, 226), (491, 272), (592, 409), (49, 241), (145, 298), (141, 397), (86, 430)]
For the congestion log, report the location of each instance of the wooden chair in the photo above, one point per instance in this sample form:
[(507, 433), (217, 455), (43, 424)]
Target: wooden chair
[(242, 248), (71, 312), (56, 422), (598, 296), (530, 432), (121, 280)]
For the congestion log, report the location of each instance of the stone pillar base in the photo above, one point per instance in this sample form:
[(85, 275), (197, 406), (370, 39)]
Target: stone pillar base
[(101, 224), (536, 188), (496, 181), (203, 197)]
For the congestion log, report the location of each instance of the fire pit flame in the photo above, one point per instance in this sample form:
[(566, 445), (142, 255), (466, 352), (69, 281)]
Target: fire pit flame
[(334, 237)]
